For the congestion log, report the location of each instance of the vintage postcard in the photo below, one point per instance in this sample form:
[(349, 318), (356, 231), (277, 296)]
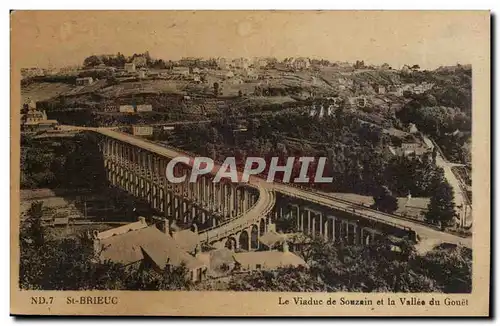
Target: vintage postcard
[(250, 163)]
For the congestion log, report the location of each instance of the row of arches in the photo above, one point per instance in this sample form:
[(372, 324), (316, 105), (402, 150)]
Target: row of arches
[(326, 223), (140, 175), (247, 239)]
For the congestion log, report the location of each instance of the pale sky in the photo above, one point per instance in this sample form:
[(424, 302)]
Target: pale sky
[(430, 39)]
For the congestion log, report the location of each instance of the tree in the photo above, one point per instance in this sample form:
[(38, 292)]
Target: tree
[(67, 264), (148, 58), (450, 266), (24, 111), (287, 279), (434, 154), (120, 60), (92, 61), (148, 279), (216, 89), (359, 64), (112, 81), (376, 267), (385, 200), (441, 208), (72, 264), (33, 231)]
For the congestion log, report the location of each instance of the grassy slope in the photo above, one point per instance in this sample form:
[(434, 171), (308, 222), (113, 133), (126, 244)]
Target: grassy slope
[(43, 91)]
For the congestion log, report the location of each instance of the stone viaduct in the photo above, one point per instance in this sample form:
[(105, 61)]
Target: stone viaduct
[(236, 215)]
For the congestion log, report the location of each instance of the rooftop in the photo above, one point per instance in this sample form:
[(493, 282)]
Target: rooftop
[(132, 242), (186, 239), (122, 229), (270, 238), (268, 259)]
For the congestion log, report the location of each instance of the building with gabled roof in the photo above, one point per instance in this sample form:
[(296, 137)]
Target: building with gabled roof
[(160, 248), (300, 63), (129, 67), (267, 260), (36, 120)]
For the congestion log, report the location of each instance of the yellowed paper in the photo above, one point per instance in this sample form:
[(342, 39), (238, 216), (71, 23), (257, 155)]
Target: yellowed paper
[(391, 110)]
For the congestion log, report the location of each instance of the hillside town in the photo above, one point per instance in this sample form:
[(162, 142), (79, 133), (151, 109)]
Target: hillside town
[(397, 142)]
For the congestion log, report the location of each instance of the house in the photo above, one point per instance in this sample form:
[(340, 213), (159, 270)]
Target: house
[(260, 63), (142, 73), (156, 246), (359, 102), (250, 73), (408, 87), (110, 108), (36, 120), (407, 148), (183, 71), (140, 61), (300, 63), (60, 221), (236, 81), (423, 87), (267, 260), (220, 261), (129, 67), (412, 128), (142, 130), (272, 239), (195, 78), (68, 70), (345, 82), (380, 89), (396, 90), (221, 63), (83, 81), (127, 108), (32, 72), (240, 63), (323, 111), (144, 108), (343, 66), (131, 108), (189, 62), (413, 148)]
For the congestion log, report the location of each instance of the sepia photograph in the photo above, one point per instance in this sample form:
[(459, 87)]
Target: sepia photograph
[(323, 158)]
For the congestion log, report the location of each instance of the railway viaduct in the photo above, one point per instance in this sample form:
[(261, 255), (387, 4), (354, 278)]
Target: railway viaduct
[(236, 215)]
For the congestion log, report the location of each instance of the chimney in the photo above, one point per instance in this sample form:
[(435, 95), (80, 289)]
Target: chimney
[(172, 227), (165, 226), (408, 198), (197, 250), (285, 246)]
